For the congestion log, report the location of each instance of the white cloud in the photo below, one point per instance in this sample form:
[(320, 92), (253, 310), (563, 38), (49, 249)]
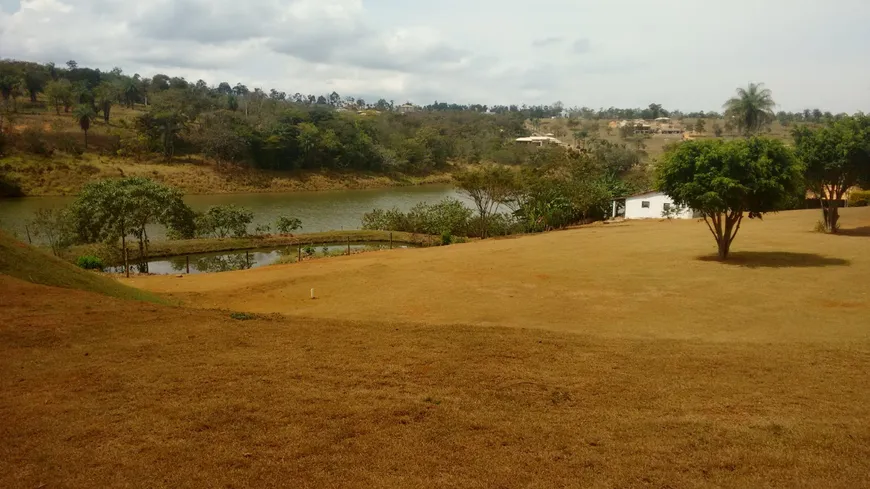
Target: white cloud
[(689, 55)]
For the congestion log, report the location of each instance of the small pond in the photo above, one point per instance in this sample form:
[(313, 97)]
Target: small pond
[(243, 260)]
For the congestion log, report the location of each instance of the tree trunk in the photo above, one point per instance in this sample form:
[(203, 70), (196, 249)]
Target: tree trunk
[(86, 139), (126, 263), (831, 215), (724, 248)]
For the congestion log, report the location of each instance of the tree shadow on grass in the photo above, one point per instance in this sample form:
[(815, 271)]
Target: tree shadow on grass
[(776, 259), (863, 232)]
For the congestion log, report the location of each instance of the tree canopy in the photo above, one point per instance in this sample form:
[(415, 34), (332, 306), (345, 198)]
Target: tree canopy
[(751, 108), (727, 181), (836, 157)]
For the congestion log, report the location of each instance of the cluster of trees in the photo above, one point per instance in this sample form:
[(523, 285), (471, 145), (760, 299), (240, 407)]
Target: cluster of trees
[(745, 178), (557, 188), (113, 211), (232, 123)]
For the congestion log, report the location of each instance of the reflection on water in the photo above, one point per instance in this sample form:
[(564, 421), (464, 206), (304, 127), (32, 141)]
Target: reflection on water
[(226, 262)]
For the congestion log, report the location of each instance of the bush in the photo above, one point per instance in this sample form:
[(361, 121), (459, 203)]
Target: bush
[(449, 216), (859, 198), (223, 221), (35, 142), (446, 239), (286, 225), (90, 262)]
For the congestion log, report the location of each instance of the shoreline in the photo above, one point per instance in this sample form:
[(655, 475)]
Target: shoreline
[(62, 176), (112, 256)]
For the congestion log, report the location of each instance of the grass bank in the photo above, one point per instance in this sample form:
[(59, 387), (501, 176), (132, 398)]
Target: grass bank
[(167, 249), (33, 265), (65, 175)]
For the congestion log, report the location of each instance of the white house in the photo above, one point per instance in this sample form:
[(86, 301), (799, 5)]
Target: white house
[(648, 205)]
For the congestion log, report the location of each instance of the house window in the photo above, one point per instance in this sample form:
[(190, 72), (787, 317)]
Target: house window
[(667, 206), (644, 204)]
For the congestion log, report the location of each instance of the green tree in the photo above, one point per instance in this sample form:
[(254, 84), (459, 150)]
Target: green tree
[(54, 226), (60, 93), (488, 187), (84, 115), (35, 78), (286, 225), (700, 126), (223, 221), (112, 210), (717, 130), (751, 109), (728, 180), (104, 96), (836, 157)]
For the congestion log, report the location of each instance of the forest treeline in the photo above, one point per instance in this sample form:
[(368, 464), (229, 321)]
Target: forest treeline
[(232, 123)]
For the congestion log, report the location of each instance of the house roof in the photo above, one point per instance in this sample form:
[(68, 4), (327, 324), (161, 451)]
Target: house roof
[(648, 192)]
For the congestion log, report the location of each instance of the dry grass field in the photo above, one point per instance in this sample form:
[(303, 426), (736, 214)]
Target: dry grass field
[(605, 356), (640, 279)]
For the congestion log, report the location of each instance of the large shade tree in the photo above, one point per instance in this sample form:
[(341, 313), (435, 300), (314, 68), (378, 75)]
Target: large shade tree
[(751, 109), (729, 181), (837, 158), (112, 210)]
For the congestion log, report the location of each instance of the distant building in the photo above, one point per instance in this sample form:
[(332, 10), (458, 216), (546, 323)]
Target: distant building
[(648, 205), (539, 140), (407, 108)]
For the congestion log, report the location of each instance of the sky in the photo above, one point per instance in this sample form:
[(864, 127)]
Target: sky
[(687, 55)]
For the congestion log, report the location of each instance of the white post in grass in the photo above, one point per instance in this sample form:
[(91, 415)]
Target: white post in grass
[(312, 293)]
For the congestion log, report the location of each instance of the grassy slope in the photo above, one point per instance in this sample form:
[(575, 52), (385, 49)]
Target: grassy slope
[(679, 372), (30, 264)]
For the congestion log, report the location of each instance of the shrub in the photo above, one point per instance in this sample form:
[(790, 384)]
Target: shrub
[(449, 216), (35, 142), (223, 221), (859, 198), (262, 229), (286, 225), (446, 239), (90, 262), (242, 316), (69, 145)]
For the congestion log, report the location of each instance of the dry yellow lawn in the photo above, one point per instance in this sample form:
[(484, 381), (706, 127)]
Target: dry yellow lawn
[(636, 279), (632, 363)]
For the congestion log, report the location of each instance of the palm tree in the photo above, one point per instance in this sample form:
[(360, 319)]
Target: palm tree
[(751, 109), (84, 114)]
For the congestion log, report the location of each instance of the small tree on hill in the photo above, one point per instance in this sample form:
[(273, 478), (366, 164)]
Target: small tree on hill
[(727, 181), (837, 158), (84, 115)]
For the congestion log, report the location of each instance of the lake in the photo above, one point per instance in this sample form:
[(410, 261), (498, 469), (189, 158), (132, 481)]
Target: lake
[(243, 260), (333, 210)]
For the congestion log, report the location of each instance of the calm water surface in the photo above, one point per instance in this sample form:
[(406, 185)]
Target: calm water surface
[(240, 260), (319, 211)]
